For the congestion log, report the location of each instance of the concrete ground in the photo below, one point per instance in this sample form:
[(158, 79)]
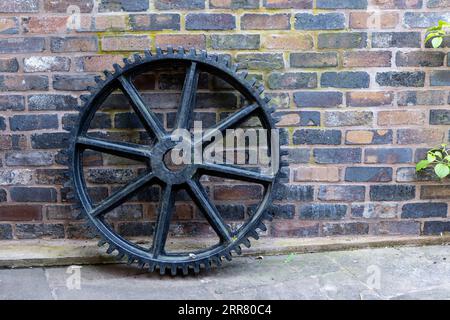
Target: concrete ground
[(383, 273)]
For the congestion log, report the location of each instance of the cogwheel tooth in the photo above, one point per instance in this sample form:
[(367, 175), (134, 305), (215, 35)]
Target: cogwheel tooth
[(108, 74), (126, 61), (213, 57), (246, 243), (254, 234), (203, 54), (235, 67), (227, 256), (130, 260), (120, 256), (192, 52), (159, 51), (110, 249), (284, 152), (151, 266), (162, 269), (169, 50), (84, 98), (207, 265), (284, 163), (173, 269), (251, 82), (238, 250), (92, 89), (180, 51), (101, 243), (267, 99), (243, 74), (98, 79), (147, 53), (137, 57), (141, 264), (262, 227), (217, 261), (271, 109), (117, 68), (268, 216), (185, 269), (196, 267), (260, 89)]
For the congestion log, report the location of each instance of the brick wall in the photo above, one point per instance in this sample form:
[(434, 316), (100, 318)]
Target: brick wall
[(360, 95)]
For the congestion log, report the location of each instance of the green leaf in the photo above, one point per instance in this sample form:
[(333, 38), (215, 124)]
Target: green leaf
[(436, 42), (438, 154), (431, 157), (441, 170), (422, 164)]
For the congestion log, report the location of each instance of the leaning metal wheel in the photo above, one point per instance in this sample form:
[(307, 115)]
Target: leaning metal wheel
[(188, 178)]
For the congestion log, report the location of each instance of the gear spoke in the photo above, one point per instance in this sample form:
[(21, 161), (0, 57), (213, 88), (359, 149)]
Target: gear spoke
[(188, 97), (230, 171), (148, 117), (122, 195), (210, 211), (127, 150), (163, 221), (227, 123)]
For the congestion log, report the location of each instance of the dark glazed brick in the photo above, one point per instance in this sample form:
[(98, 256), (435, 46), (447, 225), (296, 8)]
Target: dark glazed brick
[(231, 211), (436, 227), (286, 192), (19, 6), (123, 5), (368, 174), (292, 80), (333, 229), (322, 211), (424, 19), (341, 4), (398, 227), (136, 229), (35, 231), (100, 121), (73, 83), (440, 117), (85, 6), (322, 21), (33, 122), (2, 197), (429, 97), (52, 176), (399, 192), (278, 211), (396, 39), (337, 155), (341, 193), (22, 45), (233, 4), (419, 59), (388, 155), (55, 140), (74, 44), (342, 40), (318, 99), (154, 22), (260, 61), (9, 65), (424, 210), (288, 4), (210, 21), (12, 102), (33, 194), (29, 158), (2, 123), (294, 228), (40, 102), (298, 155), (80, 231), (440, 78), (345, 79), (5, 232), (401, 79), (179, 4), (313, 136), (313, 60), (298, 118), (235, 41)]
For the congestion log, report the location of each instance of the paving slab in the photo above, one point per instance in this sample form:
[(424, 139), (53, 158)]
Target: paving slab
[(381, 273)]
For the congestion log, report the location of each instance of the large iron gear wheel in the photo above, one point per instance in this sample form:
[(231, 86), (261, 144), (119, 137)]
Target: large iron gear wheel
[(187, 178)]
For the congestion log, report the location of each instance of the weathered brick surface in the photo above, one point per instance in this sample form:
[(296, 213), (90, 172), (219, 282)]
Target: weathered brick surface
[(358, 94)]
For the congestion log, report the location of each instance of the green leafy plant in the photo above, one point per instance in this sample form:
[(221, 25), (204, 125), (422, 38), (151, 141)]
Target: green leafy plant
[(437, 33), (438, 158)]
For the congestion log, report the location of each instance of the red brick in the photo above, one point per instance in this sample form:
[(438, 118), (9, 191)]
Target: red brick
[(125, 43), (288, 41), (373, 20), (369, 99), (395, 118), (97, 63), (252, 21), (45, 24), (367, 59), (316, 174), (20, 212), (187, 41), (237, 192)]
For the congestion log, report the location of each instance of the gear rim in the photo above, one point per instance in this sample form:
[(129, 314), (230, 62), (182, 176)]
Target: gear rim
[(124, 247)]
